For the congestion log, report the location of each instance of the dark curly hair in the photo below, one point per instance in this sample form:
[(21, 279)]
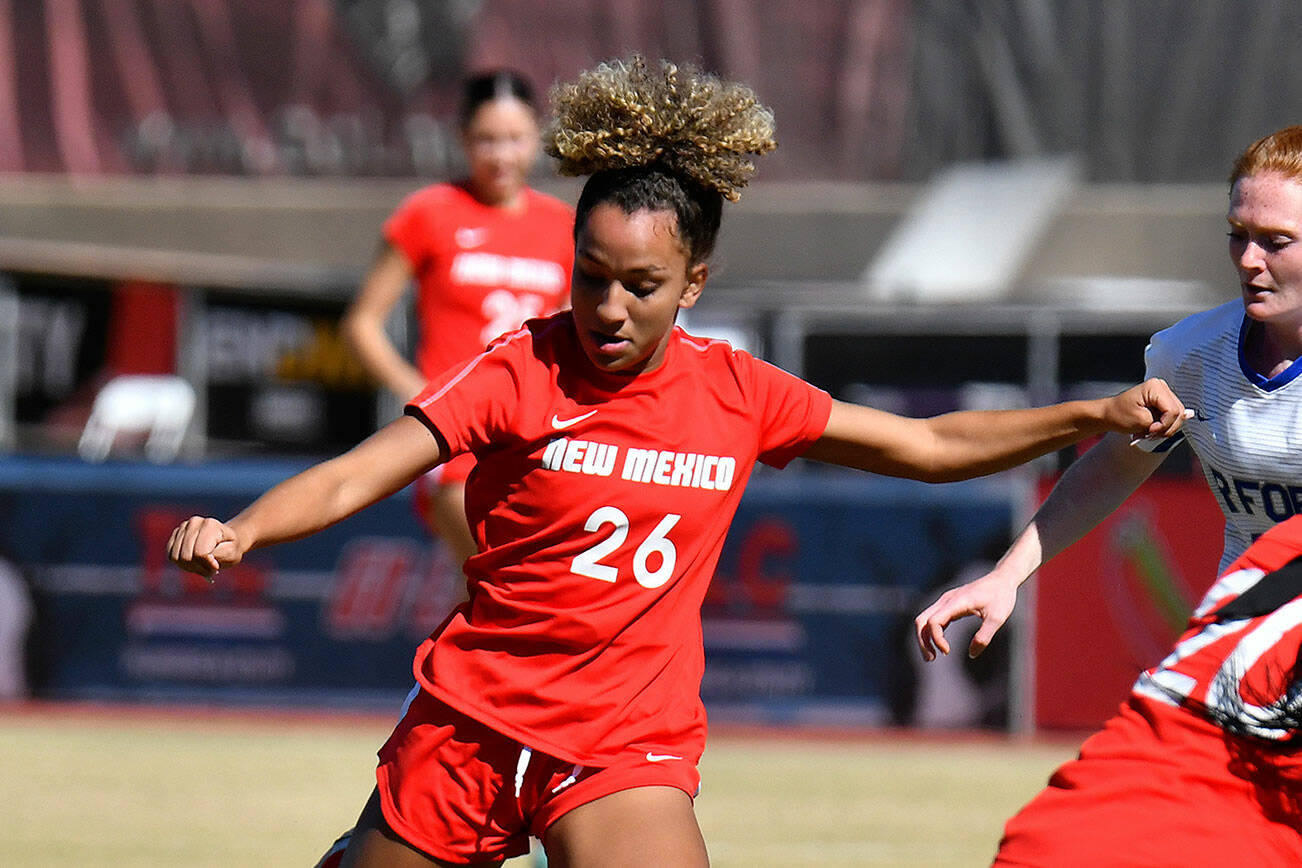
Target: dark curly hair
[(666, 137)]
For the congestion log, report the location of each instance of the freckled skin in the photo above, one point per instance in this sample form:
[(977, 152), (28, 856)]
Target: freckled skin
[(1265, 245)]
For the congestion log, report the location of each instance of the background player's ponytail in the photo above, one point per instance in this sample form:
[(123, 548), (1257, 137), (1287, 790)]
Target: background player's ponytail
[(662, 137)]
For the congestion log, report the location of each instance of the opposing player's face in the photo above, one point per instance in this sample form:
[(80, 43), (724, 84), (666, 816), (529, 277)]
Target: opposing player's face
[(501, 143), (1265, 219), (631, 276)]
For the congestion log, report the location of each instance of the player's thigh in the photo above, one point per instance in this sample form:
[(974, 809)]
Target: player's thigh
[(643, 827), (375, 845)]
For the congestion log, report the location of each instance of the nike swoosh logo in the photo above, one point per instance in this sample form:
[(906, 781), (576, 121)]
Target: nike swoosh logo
[(558, 422), (660, 757)]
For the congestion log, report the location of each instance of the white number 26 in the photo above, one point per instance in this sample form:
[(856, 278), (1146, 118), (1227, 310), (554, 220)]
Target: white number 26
[(588, 563)]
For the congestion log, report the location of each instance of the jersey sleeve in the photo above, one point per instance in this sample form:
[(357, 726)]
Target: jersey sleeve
[(565, 258), (1159, 361), (792, 413), (556, 221), (410, 226), (1158, 357), (472, 405)]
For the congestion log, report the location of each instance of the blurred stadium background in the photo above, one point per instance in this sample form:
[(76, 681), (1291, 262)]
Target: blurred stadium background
[(974, 204)]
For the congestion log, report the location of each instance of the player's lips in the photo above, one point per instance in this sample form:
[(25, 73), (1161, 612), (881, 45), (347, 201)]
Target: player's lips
[(609, 342)]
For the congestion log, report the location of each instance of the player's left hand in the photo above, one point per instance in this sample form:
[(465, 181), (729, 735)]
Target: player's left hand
[(990, 597), (1149, 410)]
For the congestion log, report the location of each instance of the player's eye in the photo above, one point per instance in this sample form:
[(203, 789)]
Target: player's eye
[(586, 276)]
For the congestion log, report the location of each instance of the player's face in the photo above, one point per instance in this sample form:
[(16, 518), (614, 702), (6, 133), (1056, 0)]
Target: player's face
[(1265, 219), (501, 143), (631, 276)]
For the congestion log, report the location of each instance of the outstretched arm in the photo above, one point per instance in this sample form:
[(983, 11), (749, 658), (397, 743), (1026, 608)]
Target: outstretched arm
[(364, 321), (1088, 492), (314, 499), (974, 443)]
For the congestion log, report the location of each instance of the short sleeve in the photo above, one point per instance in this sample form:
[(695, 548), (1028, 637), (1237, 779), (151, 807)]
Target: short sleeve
[(1159, 362), (410, 226), (472, 405), (1157, 356), (792, 413)]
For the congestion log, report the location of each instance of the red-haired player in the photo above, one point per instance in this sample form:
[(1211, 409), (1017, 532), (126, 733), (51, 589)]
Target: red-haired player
[(1201, 766)]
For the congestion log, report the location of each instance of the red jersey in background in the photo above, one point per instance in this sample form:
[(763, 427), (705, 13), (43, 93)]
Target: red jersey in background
[(481, 270)]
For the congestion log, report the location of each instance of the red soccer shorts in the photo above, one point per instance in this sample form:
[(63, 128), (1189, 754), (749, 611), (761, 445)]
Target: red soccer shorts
[(462, 792), (452, 472), (1160, 786)]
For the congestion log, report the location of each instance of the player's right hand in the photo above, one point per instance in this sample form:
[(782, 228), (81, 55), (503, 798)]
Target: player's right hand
[(1149, 410), (991, 598), (204, 546)]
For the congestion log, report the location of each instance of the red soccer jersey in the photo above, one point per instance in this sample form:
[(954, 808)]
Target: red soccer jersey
[(600, 504), (1237, 662), (481, 271)]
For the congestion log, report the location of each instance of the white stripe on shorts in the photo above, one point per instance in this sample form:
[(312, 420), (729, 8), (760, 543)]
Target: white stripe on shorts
[(521, 766)]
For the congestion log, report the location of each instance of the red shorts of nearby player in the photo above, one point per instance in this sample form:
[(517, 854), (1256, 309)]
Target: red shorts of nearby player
[(462, 792), (453, 472), (1160, 786)]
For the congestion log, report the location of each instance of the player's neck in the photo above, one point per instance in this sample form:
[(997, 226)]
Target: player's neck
[(513, 201), (1274, 347)]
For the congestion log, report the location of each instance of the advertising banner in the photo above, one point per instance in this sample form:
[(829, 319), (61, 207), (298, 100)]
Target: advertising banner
[(808, 619), (280, 377), (1113, 604), (63, 339)]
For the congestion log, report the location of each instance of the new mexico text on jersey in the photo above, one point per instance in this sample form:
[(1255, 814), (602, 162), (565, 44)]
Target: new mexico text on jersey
[(655, 466)]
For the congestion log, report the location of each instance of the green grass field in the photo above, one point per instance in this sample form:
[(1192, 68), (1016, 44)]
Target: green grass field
[(107, 789)]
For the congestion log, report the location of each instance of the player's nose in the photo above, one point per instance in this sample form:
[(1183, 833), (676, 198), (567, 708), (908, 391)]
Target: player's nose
[(611, 309)]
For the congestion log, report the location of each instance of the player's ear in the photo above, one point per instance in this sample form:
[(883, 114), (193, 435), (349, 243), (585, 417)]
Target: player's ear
[(696, 277)]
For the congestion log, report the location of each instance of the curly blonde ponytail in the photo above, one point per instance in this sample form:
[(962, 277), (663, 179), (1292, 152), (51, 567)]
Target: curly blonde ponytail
[(630, 114)]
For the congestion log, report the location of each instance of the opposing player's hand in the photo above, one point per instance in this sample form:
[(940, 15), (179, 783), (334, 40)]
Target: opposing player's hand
[(1150, 410), (991, 598), (204, 546)]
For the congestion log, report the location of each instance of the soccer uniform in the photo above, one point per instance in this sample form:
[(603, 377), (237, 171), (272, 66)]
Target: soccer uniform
[(600, 504), (1201, 766), (1245, 428), (480, 270)]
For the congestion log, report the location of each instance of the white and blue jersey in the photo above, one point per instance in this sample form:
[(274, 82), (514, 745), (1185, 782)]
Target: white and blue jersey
[(1246, 429)]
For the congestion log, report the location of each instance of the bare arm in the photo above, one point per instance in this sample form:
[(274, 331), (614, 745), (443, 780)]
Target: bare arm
[(1088, 492), (364, 321), (309, 501), (967, 444)]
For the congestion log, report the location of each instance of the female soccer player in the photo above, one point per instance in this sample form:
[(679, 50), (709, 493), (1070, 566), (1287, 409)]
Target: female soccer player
[(487, 253), (1201, 765), (562, 699)]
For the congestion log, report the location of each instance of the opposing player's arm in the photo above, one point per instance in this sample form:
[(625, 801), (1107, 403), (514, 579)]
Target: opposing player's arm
[(1090, 490), (974, 443), (364, 322), (314, 499)]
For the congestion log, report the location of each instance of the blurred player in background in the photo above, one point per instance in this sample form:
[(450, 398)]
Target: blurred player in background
[(562, 699), (487, 253), (1201, 767)]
